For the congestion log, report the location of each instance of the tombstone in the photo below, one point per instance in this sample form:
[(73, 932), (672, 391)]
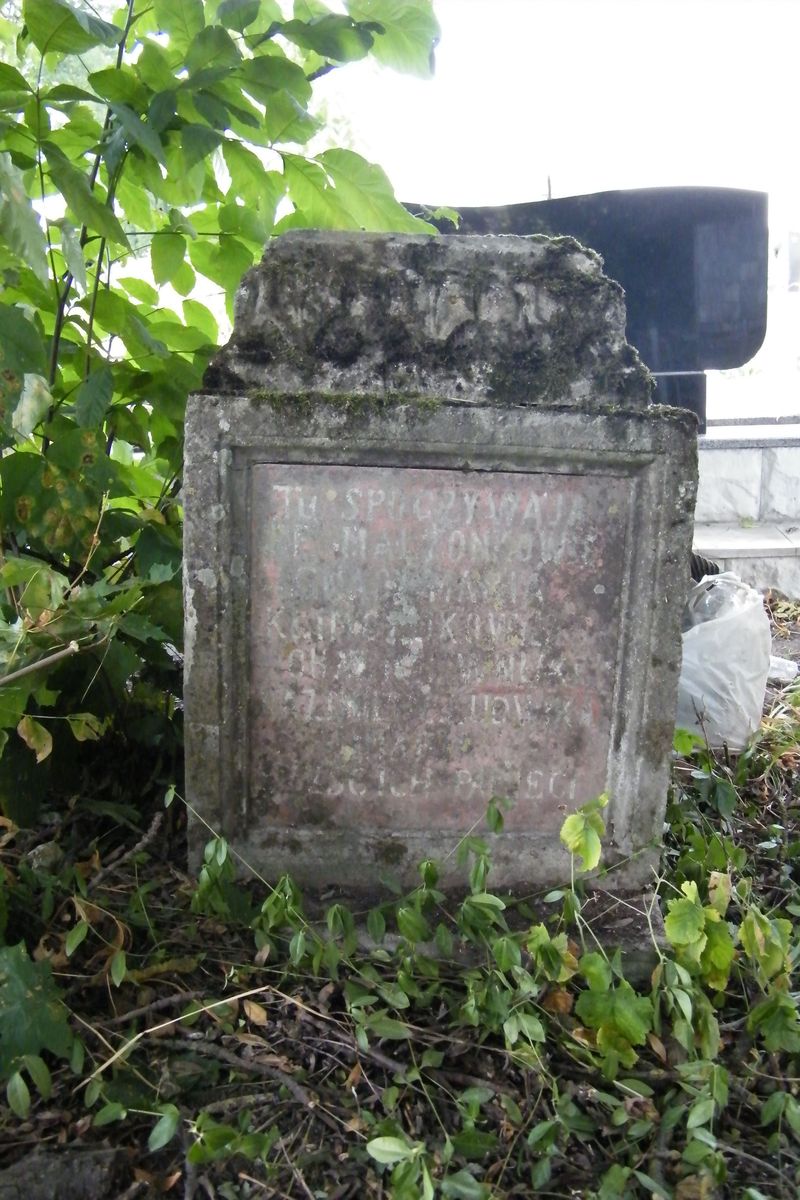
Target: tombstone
[(436, 548)]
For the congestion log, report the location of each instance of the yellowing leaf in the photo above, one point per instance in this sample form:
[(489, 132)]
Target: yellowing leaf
[(85, 727), (36, 737), (580, 838), (255, 1013), (719, 891), (558, 1000)]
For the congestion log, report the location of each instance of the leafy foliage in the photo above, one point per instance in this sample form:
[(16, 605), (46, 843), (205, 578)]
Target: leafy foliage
[(32, 1015), (144, 162), (488, 1048)]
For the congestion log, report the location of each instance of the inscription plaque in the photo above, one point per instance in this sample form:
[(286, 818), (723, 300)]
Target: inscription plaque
[(436, 550), (423, 640)]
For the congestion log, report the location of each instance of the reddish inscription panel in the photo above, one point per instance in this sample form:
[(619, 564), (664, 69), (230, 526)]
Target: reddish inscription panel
[(425, 639)]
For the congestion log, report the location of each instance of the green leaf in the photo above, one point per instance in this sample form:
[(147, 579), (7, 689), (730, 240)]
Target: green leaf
[(474, 1144), (13, 84), (506, 953), (197, 143), (21, 346), (297, 947), (73, 253), (40, 1074), (213, 47), (74, 187), (700, 1113), (55, 26), (182, 20), (386, 1027), (718, 954), (392, 1149), (330, 36), (620, 1010), (286, 120), (531, 1026), (685, 742), (119, 317), (596, 970), (32, 1017), (164, 1129), (684, 922), (486, 900), (121, 85), (494, 814), (443, 213), (376, 925), (75, 937), (720, 889), (766, 941), (271, 73), (408, 36), (464, 1186), (85, 727), (650, 1185), (364, 191), (93, 398), (411, 923), (41, 588), (108, 1113), (18, 1096), (224, 263), (19, 224), (197, 316), (119, 967), (776, 1020), (137, 132), (581, 838), (238, 14), (167, 253)]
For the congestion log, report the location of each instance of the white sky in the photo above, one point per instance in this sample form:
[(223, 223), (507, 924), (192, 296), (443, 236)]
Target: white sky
[(595, 95)]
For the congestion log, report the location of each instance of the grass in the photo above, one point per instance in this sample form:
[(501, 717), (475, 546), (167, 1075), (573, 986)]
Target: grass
[(222, 1043)]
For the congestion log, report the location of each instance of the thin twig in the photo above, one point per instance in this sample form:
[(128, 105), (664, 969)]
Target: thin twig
[(142, 844), (253, 1067), (67, 652), (155, 1006), (296, 1172)]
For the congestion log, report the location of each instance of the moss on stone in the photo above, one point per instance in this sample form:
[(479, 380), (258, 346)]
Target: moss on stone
[(351, 404), (391, 851)]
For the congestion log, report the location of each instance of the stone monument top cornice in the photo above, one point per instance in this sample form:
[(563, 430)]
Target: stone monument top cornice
[(476, 319)]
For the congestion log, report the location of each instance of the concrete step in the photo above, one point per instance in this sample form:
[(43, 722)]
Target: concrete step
[(764, 555)]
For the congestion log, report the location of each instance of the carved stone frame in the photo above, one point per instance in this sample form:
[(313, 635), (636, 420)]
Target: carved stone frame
[(225, 435)]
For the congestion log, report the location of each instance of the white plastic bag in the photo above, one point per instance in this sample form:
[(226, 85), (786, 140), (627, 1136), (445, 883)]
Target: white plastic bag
[(726, 652)]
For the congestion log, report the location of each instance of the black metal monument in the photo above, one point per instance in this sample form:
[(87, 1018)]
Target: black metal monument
[(692, 261)]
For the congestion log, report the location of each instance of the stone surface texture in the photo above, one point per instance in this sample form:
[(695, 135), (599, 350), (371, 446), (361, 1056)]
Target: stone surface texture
[(408, 588), (729, 487), (505, 319)]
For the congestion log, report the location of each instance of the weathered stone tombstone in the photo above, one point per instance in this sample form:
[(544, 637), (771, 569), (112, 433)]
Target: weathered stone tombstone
[(436, 551)]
